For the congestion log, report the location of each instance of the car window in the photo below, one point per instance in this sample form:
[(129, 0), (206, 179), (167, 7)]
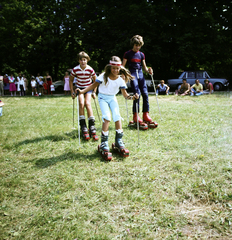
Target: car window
[(207, 75), (199, 74), (191, 74), (184, 75)]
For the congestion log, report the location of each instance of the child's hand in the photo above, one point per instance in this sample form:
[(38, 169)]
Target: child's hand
[(93, 95), (150, 70), (79, 91), (136, 96), (73, 95)]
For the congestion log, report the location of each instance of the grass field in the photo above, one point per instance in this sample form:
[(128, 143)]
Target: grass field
[(176, 184)]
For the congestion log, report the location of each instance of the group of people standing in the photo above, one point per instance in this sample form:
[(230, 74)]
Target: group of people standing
[(39, 85), (42, 85), (13, 84)]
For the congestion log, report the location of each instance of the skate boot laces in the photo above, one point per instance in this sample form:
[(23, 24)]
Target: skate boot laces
[(104, 146), (120, 143)]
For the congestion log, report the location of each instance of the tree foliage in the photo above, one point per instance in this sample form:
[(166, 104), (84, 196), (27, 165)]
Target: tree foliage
[(44, 35)]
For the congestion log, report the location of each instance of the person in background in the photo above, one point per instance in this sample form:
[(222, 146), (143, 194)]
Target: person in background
[(49, 83), (1, 105), (197, 88), (162, 89), (33, 87), (1, 86), (41, 87), (208, 87), (184, 88), (21, 85), (45, 88), (12, 85), (6, 83), (66, 83), (38, 78), (25, 84)]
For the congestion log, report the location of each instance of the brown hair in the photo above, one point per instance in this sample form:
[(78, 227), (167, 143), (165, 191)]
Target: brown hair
[(137, 39), (83, 55)]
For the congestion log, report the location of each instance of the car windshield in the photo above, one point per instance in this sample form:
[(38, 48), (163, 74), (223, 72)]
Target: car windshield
[(191, 74), (199, 74)]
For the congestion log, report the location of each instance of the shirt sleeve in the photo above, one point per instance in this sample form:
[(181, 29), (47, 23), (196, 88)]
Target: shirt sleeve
[(73, 73), (122, 84), (142, 56), (125, 55), (100, 78)]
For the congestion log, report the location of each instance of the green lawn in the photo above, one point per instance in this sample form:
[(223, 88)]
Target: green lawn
[(176, 184)]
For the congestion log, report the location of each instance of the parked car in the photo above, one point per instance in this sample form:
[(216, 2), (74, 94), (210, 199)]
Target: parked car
[(59, 86), (149, 84), (218, 83)]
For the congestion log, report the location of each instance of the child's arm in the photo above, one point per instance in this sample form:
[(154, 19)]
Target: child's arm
[(128, 96), (91, 87), (71, 78), (124, 61), (146, 69), (95, 89)]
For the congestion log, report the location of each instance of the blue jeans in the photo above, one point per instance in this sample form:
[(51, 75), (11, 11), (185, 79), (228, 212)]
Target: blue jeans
[(195, 92), (161, 92), (138, 85)]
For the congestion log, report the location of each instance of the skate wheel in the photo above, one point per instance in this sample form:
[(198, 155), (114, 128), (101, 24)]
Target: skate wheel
[(95, 138), (143, 126), (125, 152), (86, 137), (108, 156), (153, 125)]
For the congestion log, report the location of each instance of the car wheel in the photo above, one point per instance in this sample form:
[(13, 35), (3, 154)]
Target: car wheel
[(217, 87)]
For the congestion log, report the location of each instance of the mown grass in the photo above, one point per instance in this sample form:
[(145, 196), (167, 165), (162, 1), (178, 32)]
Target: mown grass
[(175, 185)]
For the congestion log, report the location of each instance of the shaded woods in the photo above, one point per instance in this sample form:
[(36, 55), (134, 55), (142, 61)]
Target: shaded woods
[(39, 36)]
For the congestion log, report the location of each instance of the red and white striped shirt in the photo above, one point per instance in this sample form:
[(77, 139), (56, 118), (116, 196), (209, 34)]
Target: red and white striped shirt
[(84, 77)]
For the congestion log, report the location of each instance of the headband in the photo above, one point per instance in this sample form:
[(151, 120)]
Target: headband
[(115, 63)]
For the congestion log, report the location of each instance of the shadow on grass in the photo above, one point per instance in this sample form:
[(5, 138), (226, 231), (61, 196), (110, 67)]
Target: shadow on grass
[(52, 138), (68, 156)]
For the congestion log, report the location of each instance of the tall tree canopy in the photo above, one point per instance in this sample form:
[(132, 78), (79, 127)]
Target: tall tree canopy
[(38, 36)]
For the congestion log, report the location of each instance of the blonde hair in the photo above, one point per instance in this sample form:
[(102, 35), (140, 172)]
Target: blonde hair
[(137, 39), (123, 70), (126, 73), (83, 55)]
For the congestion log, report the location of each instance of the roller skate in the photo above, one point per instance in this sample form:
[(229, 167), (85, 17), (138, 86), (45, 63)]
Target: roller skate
[(142, 125), (119, 145), (147, 119), (104, 148), (92, 130), (84, 130)]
